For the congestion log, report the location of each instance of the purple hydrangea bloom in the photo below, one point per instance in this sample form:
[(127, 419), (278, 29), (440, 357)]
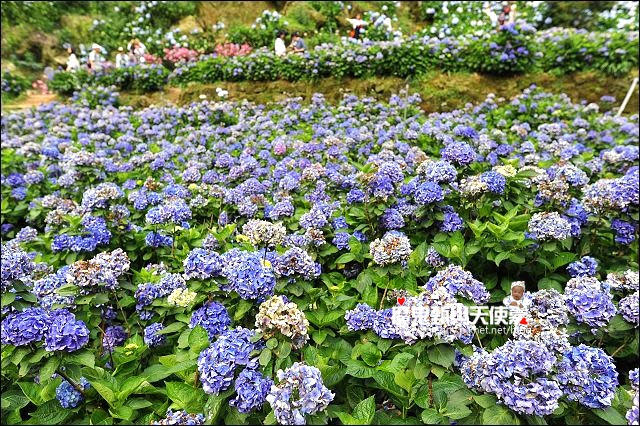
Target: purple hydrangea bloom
[(252, 389), (588, 375), (218, 362), (213, 317), (65, 332), (151, 336), (585, 267), (113, 336)]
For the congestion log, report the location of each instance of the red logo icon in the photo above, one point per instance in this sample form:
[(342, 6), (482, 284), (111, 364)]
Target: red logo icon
[(523, 321), (401, 300)]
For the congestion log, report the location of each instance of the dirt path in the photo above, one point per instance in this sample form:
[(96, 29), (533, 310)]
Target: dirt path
[(31, 100)]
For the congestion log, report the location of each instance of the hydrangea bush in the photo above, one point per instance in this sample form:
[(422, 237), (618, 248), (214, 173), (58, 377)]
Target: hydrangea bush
[(291, 263)]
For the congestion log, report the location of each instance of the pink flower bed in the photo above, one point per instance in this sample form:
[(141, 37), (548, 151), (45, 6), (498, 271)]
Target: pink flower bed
[(233, 49)]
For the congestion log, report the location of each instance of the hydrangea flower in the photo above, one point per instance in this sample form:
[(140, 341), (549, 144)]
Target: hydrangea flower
[(393, 247), (68, 396), (247, 274), (213, 317), (585, 267), (181, 418), (277, 314), (251, 389), (588, 375), (151, 336), (217, 363), (65, 333), (299, 392), (25, 327), (114, 335)]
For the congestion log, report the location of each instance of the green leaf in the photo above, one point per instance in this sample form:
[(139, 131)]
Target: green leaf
[(499, 415), (7, 298), (345, 258), (563, 258), (32, 391), (272, 343), (265, 356), (172, 328), (49, 368), (442, 355), (387, 382), (485, 401), (49, 413), (430, 416), (158, 372), (130, 385), (359, 369), (611, 416), (214, 405), (180, 393), (104, 389), (365, 410), (284, 350), (13, 399), (198, 339), (85, 358), (243, 307)]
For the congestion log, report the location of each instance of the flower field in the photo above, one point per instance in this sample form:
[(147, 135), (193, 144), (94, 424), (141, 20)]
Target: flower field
[(286, 263)]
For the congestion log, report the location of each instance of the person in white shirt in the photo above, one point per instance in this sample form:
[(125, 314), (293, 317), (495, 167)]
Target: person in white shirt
[(122, 59), (95, 58), (280, 47), (73, 64)]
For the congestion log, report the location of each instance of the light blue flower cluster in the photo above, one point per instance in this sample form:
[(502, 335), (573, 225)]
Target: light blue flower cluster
[(457, 281), (151, 336), (516, 373), (65, 332), (589, 302), (59, 329), (202, 264), (247, 275), (296, 261), (68, 396), (217, 363), (252, 389), (588, 375), (300, 392), (113, 336), (181, 418), (585, 267), (213, 317)]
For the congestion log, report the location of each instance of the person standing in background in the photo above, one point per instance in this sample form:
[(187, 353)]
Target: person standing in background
[(122, 59), (279, 45), (73, 64), (95, 58)]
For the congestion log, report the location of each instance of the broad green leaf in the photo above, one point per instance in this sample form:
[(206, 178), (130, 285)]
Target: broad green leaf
[(49, 368), (499, 415), (442, 354), (365, 410), (611, 416), (198, 339)]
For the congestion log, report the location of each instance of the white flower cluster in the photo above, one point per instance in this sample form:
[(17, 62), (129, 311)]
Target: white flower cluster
[(277, 314), (181, 297), (263, 232), (394, 247)]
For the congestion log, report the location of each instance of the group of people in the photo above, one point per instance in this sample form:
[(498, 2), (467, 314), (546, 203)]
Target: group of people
[(135, 54), (506, 16), (297, 44)]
